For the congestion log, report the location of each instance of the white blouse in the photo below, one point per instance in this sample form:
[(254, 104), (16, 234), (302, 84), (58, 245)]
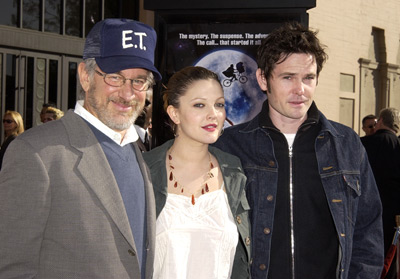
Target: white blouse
[(195, 241)]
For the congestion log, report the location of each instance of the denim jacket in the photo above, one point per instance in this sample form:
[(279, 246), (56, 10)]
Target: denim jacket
[(348, 183), (234, 181)]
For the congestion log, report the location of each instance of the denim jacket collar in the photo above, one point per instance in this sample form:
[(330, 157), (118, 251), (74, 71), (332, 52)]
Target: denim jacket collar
[(314, 116)]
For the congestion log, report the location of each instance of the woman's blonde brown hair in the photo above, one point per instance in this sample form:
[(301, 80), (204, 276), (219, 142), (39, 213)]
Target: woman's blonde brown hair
[(18, 120)]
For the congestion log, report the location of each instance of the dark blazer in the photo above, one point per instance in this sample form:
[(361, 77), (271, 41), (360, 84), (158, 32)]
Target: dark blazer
[(4, 146), (383, 149), (61, 211), (234, 181)]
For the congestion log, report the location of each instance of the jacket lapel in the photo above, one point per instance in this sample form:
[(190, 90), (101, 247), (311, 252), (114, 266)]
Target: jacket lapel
[(150, 211), (96, 172), (234, 179)]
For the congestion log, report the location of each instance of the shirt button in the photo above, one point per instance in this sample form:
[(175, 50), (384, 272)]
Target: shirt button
[(270, 198), (263, 267), (238, 219), (267, 231), (132, 253), (271, 163), (247, 241)]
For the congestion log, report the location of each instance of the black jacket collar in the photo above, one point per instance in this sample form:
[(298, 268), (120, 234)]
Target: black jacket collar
[(266, 122)]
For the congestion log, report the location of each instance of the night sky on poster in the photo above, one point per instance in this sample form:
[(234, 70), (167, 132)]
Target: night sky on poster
[(227, 49)]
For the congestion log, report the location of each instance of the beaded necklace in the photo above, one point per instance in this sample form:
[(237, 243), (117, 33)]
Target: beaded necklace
[(172, 177)]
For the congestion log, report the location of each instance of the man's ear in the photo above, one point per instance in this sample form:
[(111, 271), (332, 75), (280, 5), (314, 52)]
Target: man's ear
[(173, 114), (83, 77), (262, 81)]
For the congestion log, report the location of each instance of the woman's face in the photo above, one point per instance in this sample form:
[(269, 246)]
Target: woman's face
[(201, 113), (9, 124)]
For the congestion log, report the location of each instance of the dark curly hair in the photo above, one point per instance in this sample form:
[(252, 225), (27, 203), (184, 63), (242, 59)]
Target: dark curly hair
[(291, 37)]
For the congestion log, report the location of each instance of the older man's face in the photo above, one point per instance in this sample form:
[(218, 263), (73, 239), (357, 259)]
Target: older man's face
[(369, 126), (116, 107)]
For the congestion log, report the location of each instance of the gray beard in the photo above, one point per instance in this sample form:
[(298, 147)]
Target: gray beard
[(107, 117)]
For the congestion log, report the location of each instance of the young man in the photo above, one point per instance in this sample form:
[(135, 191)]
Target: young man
[(315, 207), (76, 200)]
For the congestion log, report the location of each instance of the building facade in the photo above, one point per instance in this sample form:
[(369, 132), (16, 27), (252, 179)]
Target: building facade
[(362, 74), (41, 45)]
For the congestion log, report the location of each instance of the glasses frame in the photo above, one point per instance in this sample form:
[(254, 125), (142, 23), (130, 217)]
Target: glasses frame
[(8, 121), (145, 87)]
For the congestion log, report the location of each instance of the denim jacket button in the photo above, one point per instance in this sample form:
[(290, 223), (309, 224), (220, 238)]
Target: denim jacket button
[(270, 198), (263, 267), (271, 163), (247, 241), (238, 219), (267, 230)]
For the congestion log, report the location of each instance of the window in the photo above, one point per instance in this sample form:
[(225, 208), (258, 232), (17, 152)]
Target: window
[(65, 17), (347, 83), (346, 115), (10, 81), (52, 16), (31, 11), (73, 25), (9, 13), (72, 83)]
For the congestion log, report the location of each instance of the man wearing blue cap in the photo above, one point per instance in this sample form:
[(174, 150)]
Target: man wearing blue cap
[(75, 196)]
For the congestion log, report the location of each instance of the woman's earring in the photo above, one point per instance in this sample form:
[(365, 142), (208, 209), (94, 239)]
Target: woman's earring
[(175, 130), (222, 131)]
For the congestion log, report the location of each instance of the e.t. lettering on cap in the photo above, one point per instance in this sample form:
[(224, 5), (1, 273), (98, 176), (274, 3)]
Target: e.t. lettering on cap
[(119, 44)]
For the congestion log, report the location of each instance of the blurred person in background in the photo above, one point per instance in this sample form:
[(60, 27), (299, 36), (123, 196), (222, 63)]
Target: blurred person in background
[(383, 149), (368, 124), (51, 114), (44, 109)]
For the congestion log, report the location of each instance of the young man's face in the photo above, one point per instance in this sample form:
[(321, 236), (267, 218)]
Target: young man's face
[(291, 87)]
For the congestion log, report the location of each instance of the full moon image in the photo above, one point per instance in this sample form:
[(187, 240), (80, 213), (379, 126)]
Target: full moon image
[(237, 73)]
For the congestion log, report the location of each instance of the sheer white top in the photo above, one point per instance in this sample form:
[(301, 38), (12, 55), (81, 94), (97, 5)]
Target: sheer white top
[(195, 241)]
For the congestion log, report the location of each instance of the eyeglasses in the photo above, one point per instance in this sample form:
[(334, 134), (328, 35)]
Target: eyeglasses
[(372, 125), (117, 80), (8, 121)]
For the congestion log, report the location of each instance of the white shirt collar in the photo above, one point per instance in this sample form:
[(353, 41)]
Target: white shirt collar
[(130, 135)]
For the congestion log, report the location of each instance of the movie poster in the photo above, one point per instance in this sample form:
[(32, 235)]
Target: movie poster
[(228, 50)]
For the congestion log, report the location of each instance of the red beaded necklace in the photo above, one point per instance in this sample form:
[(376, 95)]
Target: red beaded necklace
[(204, 188)]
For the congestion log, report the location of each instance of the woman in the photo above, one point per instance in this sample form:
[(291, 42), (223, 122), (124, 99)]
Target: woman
[(202, 212), (13, 126)]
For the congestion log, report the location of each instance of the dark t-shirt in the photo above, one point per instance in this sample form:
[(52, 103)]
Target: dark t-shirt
[(316, 245)]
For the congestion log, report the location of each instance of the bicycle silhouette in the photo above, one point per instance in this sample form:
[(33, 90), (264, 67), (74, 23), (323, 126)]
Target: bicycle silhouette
[(233, 74), (242, 79)]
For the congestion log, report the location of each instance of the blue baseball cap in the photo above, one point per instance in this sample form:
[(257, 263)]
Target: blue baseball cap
[(118, 44)]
